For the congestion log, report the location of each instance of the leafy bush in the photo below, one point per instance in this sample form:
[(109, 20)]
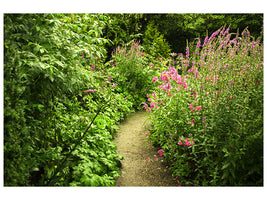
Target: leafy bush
[(154, 42), (131, 70), (209, 118), (49, 59)]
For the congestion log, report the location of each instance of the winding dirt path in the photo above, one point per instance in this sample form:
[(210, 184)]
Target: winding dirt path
[(140, 166)]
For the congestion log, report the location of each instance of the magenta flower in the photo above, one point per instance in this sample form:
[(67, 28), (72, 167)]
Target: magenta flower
[(187, 52), (191, 107), (180, 143), (90, 90), (160, 152), (109, 78), (184, 85), (114, 85), (125, 98), (83, 55), (198, 108), (155, 79), (93, 67), (191, 70), (164, 77), (152, 104), (145, 105)]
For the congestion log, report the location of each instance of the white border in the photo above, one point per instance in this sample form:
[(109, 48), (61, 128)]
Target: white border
[(124, 6)]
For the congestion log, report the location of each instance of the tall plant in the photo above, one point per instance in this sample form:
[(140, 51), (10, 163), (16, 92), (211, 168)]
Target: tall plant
[(48, 60), (131, 70), (208, 118)]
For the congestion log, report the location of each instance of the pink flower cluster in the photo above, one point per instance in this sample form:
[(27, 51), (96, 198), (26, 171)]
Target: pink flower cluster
[(160, 152), (198, 108), (186, 142), (167, 76), (90, 90)]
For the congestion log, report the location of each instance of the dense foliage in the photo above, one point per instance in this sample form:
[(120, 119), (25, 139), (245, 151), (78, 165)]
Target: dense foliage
[(209, 118), (179, 28), (176, 29), (48, 61), (69, 79), (130, 68)]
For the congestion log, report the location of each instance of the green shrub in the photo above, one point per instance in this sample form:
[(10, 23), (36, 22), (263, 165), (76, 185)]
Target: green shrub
[(49, 59), (154, 42), (130, 69)]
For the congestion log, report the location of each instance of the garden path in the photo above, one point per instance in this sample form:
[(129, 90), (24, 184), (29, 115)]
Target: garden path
[(139, 167)]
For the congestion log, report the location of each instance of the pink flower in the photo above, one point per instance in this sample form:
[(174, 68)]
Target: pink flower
[(125, 98), (191, 107), (164, 78), (114, 85), (191, 70), (141, 152), (155, 79), (83, 55), (156, 159), (122, 175), (90, 90), (198, 108), (180, 143), (145, 106), (93, 67), (160, 152), (152, 104), (109, 78), (184, 85)]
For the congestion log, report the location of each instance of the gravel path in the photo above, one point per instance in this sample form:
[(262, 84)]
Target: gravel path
[(139, 167)]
